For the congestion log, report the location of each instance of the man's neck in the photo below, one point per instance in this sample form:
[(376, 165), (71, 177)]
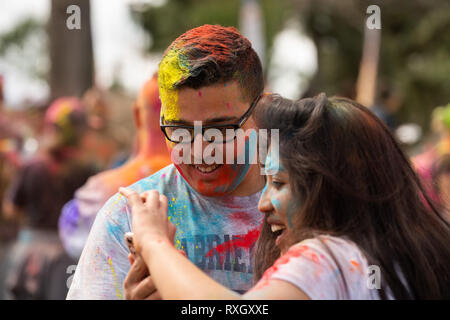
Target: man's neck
[(253, 182)]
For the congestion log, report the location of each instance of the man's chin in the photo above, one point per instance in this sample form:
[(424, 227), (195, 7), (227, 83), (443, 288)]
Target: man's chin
[(210, 182), (208, 188)]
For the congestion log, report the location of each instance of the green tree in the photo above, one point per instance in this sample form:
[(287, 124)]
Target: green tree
[(165, 23), (414, 60)]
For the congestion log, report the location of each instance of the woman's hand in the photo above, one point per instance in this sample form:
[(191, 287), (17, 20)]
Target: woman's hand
[(138, 284), (150, 221)]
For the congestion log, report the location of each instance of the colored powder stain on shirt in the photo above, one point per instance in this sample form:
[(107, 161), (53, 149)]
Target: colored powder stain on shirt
[(356, 265), (119, 295), (285, 258), (240, 217), (246, 242), (115, 230), (202, 224)]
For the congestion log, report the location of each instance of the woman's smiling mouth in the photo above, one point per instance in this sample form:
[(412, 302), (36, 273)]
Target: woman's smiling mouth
[(277, 227)]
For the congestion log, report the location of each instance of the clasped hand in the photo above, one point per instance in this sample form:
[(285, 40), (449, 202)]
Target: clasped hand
[(149, 210)]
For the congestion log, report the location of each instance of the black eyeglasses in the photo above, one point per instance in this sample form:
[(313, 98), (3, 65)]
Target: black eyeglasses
[(211, 133)]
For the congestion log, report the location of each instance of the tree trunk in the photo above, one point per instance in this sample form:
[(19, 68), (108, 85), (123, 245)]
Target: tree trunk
[(71, 70), (367, 78)]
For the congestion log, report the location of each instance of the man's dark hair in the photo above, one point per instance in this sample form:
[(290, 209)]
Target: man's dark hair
[(213, 54)]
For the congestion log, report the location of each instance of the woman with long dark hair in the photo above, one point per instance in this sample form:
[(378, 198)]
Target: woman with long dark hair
[(346, 215)]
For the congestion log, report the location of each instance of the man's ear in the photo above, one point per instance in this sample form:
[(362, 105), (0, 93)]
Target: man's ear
[(137, 116)]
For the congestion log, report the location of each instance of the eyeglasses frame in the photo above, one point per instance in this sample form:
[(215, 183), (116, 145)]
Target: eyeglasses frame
[(241, 121)]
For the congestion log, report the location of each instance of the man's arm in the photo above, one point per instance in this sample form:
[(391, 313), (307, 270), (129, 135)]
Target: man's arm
[(104, 262)]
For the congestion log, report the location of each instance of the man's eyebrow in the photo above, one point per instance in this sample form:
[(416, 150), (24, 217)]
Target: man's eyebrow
[(220, 119), (207, 121), (178, 121)]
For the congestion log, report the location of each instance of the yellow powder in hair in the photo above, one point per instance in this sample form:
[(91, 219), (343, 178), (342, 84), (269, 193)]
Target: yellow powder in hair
[(171, 70)]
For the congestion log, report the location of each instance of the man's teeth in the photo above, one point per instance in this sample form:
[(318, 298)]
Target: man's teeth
[(207, 169), (276, 227)]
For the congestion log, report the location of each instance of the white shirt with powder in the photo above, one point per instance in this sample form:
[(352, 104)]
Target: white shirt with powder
[(326, 268)]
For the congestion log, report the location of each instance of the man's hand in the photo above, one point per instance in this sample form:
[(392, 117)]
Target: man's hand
[(138, 284)]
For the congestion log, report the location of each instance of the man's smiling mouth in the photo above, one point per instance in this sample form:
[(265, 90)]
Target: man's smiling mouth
[(207, 168)]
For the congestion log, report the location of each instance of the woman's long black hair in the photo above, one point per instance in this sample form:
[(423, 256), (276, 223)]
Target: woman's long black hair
[(354, 181)]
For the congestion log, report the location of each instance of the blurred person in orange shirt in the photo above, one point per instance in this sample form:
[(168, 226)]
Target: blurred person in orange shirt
[(79, 214)]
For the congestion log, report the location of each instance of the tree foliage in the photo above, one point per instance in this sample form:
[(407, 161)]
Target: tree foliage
[(414, 61)]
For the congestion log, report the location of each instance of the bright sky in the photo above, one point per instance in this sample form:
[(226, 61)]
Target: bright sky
[(18, 86), (293, 63), (118, 48)]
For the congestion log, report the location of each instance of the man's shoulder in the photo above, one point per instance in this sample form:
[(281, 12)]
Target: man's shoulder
[(160, 181)]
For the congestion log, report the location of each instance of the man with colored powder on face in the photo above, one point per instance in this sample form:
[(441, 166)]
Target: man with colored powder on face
[(209, 74), (78, 214)]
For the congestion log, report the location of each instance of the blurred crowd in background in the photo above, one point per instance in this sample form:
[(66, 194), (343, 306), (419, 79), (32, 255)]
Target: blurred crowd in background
[(98, 111)]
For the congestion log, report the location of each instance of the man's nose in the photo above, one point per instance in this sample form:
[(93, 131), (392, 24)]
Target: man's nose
[(198, 146)]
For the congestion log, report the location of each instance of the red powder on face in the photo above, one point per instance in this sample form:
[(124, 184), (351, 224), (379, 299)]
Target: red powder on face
[(199, 93), (225, 179)]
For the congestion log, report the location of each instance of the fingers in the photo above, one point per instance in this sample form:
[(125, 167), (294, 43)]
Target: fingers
[(154, 296), (133, 197), (144, 289), (144, 195), (172, 232), (131, 258), (152, 198), (138, 271), (149, 197)]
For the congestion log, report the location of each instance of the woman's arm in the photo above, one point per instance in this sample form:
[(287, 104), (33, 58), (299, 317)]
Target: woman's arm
[(174, 275), (178, 278)]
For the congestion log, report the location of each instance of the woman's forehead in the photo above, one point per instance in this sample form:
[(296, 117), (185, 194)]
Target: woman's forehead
[(272, 163)]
